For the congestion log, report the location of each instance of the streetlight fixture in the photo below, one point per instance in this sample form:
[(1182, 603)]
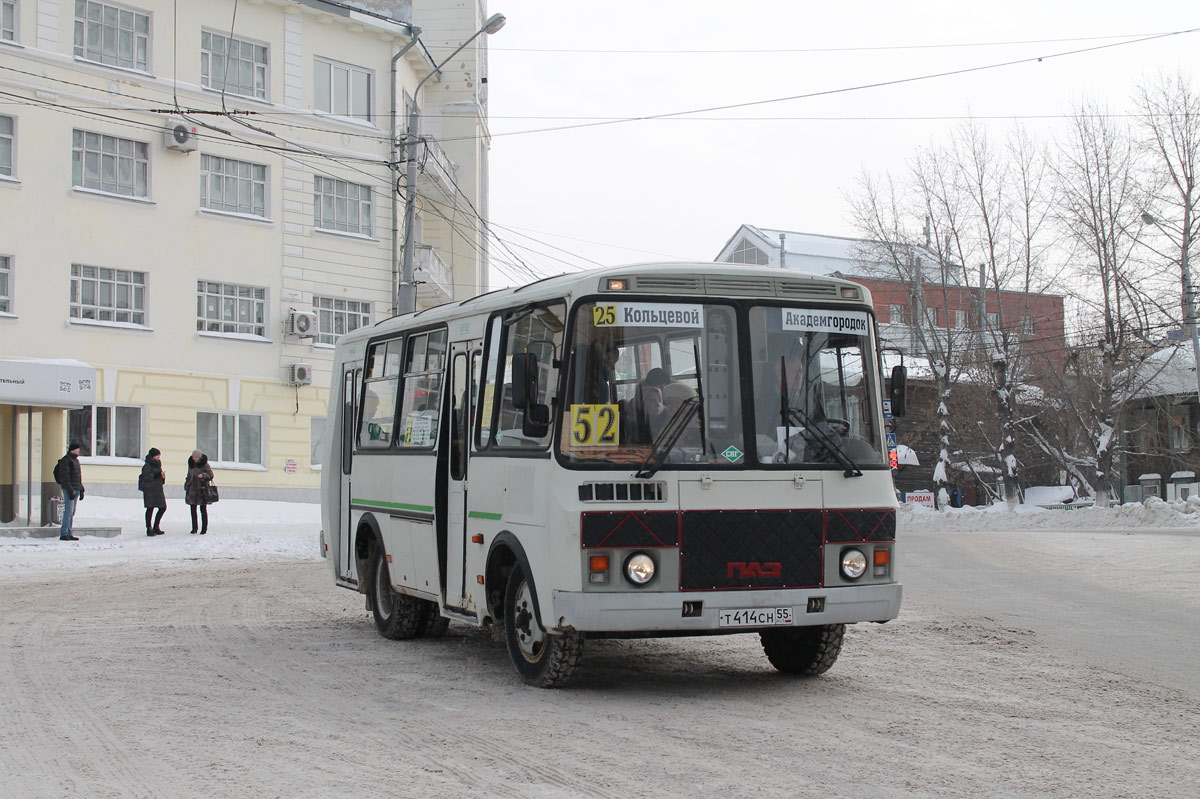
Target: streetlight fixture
[(405, 298), (1189, 307)]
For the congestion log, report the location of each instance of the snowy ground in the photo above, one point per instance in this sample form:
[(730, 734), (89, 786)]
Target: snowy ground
[(230, 666)]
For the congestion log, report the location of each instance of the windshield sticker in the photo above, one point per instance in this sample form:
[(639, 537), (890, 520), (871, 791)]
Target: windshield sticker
[(595, 425), (732, 454), (825, 321), (647, 314)]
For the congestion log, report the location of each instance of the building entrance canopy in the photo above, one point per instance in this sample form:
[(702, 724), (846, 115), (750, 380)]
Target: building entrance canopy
[(60, 383)]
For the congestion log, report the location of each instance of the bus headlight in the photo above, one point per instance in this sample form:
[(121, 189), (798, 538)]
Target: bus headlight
[(639, 568), (854, 563)]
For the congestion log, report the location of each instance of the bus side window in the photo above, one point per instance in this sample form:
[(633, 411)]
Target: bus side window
[(382, 380), (538, 333), (424, 366)]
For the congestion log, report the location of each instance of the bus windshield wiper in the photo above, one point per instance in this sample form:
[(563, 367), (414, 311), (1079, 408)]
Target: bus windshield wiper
[(665, 441), (827, 441)]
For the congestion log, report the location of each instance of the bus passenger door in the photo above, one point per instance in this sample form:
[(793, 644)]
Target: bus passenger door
[(345, 453), (464, 365)]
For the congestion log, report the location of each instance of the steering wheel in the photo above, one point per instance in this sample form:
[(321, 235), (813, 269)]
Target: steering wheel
[(840, 426)]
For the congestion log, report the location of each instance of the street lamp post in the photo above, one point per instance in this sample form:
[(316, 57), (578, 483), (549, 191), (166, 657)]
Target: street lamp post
[(1189, 307), (407, 294)]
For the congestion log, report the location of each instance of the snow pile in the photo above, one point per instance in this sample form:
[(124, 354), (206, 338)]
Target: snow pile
[(1154, 513), (237, 529)]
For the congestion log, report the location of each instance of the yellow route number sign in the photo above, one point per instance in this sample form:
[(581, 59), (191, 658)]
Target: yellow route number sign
[(595, 425), (604, 315)]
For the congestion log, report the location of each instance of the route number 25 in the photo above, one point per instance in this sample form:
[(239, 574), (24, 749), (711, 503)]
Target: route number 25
[(604, 315), (595, 425)]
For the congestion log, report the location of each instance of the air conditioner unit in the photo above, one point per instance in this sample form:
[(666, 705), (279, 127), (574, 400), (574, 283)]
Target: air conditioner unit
[(300, 324), (300, 374), (181, 136)]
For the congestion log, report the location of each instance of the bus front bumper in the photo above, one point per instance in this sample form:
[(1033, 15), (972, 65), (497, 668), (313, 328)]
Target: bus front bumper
[(632, 612)]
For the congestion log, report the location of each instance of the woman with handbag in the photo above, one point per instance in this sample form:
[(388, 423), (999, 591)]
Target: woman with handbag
[(196, 488)]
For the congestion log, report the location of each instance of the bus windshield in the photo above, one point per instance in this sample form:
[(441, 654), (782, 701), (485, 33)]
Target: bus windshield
[(653, 376), (813, 387)]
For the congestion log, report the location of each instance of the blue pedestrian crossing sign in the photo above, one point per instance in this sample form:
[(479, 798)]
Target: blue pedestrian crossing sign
[(891, 440)]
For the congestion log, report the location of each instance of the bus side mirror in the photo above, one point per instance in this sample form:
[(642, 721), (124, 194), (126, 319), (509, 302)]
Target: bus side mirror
[(524, 380), (535, 421), (898, 391)]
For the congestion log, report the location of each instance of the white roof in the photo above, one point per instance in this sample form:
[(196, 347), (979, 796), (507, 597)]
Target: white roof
[(1171, 370)]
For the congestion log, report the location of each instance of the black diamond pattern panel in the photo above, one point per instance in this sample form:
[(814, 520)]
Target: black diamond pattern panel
[(751, 549), (862, 525), (630, 529)]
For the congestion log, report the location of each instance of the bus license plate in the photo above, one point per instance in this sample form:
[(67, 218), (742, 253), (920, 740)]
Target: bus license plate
[(754, 617)]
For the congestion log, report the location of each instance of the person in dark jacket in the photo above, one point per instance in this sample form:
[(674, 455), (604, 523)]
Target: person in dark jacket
[(195, 486), (152, 481), (69, 475)]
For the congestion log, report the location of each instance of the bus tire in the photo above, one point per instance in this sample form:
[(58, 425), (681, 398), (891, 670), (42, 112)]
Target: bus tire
[(806, 651), (433, 623), (397, 617), (543, 659)]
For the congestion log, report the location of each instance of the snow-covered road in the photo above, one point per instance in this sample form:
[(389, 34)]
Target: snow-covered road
[(232, 667)]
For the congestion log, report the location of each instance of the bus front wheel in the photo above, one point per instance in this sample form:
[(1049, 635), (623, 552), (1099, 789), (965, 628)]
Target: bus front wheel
[(397, 616), (543, 659), (806, 651)]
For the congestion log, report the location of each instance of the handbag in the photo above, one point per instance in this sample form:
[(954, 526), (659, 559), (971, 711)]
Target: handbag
[(211, 495)]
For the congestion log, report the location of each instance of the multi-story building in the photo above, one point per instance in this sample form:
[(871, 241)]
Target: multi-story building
[(197, 198)]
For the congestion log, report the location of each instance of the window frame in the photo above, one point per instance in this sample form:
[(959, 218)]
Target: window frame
[(14, 28), (78, 308), (6, 284), (897, 313), (319, 196), (9, 170), (206, 61), (207, 176), (203, 322), (79, 159), (88, 444), (330, 65), (82, 50), (745, 246), (218, 449), (330, 337)]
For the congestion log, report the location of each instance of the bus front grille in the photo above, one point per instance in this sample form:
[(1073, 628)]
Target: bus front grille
[(746, 549)]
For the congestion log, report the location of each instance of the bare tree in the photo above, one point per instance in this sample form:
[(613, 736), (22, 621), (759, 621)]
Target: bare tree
[(1100, 202)]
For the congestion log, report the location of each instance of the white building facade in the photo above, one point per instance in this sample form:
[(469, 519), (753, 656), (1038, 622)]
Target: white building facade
[(197, 202)]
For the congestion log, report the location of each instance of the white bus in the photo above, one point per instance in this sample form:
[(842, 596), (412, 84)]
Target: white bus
[(654, 450)]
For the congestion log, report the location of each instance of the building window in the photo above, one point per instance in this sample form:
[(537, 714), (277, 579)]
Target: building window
[(335, 317), (108, 431), (7, 145), (233, 65), (230, 308), (342, 89), (108, 295), (5, 284), (958, 319), (231, 437), (1027, 325), (112, 35), (110, 164), (747, 253), (237, 187), (896, 314), (992, 320), (1178, 431), (341, 206), (8, 21)]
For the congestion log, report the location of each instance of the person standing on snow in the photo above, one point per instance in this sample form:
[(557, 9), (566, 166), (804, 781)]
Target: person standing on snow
[(195, 486), (69, 475), (151, 482)]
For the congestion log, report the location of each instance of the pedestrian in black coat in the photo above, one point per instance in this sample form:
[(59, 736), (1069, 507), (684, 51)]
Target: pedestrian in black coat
[(151, 482), (195, 488), (69, 475)]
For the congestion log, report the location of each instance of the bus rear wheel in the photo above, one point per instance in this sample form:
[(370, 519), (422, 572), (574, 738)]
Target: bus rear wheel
[(806, 651), (397, 616), (544, 659)]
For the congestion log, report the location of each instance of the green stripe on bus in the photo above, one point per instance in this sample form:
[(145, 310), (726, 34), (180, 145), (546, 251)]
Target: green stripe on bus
[(392, 505), (478, 514)]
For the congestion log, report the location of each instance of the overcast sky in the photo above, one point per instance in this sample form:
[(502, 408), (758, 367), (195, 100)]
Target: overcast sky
[(677, 188)]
